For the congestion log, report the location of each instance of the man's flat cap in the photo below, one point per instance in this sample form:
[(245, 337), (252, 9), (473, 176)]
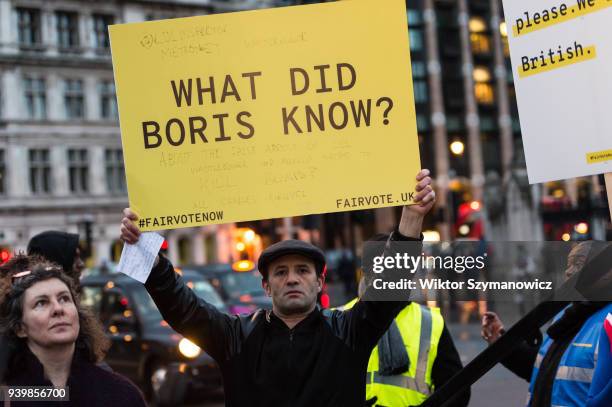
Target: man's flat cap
[(287, 247)]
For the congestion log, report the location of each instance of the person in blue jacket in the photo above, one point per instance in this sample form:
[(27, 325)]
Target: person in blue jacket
[(600, 393), (560, 367)]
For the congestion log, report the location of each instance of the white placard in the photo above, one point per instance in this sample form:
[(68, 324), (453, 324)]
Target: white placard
[(561, 61), (137, 259)]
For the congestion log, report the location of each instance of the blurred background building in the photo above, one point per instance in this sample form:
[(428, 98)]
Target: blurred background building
[(61, 164)]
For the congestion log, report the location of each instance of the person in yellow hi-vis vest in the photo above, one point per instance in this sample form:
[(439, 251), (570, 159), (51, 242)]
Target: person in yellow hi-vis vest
[(415, 355)]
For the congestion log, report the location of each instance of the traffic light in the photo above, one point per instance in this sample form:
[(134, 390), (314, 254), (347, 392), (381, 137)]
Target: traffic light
[(164, 247), (5, 255), (469, 221)]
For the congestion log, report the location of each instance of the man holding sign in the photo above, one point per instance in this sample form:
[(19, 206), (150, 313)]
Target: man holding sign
[(295, 355)]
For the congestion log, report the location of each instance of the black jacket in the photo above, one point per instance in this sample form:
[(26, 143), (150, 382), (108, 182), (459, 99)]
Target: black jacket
[(89, 385), (447, 364), (321, 362)]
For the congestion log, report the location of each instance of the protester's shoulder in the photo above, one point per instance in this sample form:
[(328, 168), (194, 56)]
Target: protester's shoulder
[(435, 312), (336, 319), (334, 312), (601, 314), (248, 322), (253, 317)]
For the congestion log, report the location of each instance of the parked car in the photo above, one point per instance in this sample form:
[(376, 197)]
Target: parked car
[(240, 290), (106, 267), (167, 366)]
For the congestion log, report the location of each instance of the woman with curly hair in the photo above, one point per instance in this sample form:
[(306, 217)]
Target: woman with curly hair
[(56, 341)]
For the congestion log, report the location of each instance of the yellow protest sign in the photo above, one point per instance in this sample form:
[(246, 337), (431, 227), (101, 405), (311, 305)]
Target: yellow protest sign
[(267, 113)]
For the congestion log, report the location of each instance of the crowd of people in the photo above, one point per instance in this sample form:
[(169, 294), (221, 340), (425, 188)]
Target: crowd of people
[(374, 353)]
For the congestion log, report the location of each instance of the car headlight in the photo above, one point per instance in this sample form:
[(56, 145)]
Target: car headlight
[(189, 349)]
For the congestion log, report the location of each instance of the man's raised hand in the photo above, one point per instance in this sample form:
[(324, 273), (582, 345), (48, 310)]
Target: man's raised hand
[(130, 233)]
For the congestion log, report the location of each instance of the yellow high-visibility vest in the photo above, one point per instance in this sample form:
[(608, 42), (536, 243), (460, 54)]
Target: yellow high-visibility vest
[(420, 328)]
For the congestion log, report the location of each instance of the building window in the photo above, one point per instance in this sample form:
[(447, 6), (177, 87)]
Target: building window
[(78, 170), (2, 173), (454, 93), (415, 30), (28, 26), (108, 102), (416, 39), (74, 100), (419, 78), (40, 171), (425, 148), (479, 39), (490, 152), (487, 123), (484, 93), (414, 17), (101, 23), (115, 174), (422, 122), (509, 75), (516, 125), (35, 97), (503, 31), (454, 123), (480, 43), (420, 91), (67, 29), (477, 25), (446, 15), (418, 69), (483, 89)]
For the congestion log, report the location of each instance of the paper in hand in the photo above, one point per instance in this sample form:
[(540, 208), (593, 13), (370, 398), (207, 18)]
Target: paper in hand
[(137, 259)]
